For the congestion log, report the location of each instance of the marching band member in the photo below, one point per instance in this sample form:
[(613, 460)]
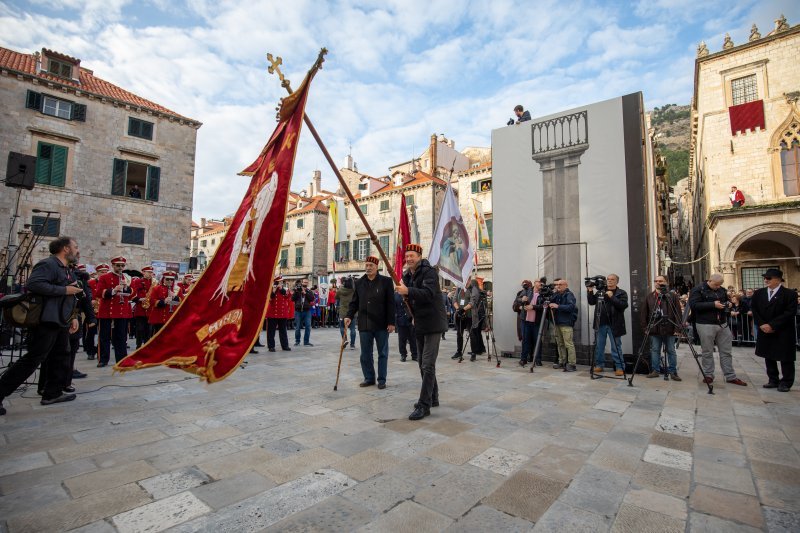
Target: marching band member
[(164, 299), (115, 310), (140, 287), (186, 283), (90, 333)]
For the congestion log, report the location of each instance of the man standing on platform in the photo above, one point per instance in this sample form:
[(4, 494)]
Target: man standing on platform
[(373, 300), (774, 308), (420, 284), (140, 287), (115, 310)]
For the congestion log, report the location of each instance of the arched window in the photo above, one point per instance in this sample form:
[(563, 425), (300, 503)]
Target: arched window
[(790, 159)]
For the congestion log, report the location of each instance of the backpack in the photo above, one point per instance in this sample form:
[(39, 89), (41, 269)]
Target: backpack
[(22, 310)]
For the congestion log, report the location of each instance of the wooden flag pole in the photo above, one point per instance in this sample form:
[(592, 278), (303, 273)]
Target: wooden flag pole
[(273, 68)]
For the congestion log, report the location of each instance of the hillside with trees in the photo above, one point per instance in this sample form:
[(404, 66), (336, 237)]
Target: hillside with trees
[(673, 134)]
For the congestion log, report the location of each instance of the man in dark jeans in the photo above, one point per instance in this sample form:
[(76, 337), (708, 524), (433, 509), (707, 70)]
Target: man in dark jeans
[(420, 284), (52, 280), (405, 329), (373, 300), (303, 299)]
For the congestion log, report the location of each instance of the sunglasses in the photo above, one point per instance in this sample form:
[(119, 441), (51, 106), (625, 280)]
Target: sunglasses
[(119, 264), (768, 278)]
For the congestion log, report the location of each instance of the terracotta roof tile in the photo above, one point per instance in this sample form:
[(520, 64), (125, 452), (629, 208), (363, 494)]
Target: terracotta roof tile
[(89, 83)]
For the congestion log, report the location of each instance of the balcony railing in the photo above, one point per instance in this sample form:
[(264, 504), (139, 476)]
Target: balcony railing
[(559, 133)]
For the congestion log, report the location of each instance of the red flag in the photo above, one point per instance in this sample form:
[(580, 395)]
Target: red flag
[(403, 238), (218, 322)]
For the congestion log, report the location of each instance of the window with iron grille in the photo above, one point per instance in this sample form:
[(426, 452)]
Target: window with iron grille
[(45, 227), (132, 235), (752, 277), (744, 89)]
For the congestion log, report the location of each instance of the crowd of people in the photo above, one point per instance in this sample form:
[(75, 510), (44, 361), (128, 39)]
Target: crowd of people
[(113, 306)]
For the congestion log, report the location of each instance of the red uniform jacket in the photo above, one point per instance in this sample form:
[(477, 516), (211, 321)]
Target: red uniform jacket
[(116, 305), (139, 288), (280, 305), (161, 306), (95, 296)]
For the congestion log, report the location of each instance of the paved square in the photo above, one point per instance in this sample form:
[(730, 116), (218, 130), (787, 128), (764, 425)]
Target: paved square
[(274, 448)]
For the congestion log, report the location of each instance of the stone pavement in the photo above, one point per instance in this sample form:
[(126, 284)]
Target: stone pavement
[(274, 448)]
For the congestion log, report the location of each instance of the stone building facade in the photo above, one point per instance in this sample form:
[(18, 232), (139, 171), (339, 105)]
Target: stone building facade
[(475, 185), (746, 133), (91, 142)]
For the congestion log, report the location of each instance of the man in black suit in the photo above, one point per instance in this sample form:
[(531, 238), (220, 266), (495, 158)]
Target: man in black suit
[(373, 300), (774, 308)]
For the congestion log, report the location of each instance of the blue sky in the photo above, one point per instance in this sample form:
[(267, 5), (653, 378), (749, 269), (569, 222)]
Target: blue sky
[(397, 71)]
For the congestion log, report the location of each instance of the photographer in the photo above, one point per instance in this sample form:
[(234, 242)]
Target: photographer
[(663, 308), (463, 319), (710, 306), (303, 299), (530, 326), (520, 300), (609, 319), (51, 280), (565, 311)]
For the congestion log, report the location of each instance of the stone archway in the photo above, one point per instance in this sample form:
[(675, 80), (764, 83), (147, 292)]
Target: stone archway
[(770, 227), (774, 244)]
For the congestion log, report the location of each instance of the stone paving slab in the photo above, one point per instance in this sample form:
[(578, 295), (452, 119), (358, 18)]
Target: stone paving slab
[(273, 447)]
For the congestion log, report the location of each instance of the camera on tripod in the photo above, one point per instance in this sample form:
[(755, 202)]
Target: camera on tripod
[(547, 291), (598, 283)]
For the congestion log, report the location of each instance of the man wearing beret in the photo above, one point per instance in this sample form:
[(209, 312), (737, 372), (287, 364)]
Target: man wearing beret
[(774, 308), (373, 300), (420, 284)]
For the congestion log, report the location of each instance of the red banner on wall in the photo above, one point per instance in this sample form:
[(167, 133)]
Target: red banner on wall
[(218, 322), (747, 116)]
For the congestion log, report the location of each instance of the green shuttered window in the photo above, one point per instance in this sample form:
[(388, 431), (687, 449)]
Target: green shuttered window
[(51, 164)]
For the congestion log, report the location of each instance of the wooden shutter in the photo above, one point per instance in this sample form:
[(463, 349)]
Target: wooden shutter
[(79, 112), (118, 176), (475, 185), (34, 100), (153, 183), (58, 173), (44, 162)]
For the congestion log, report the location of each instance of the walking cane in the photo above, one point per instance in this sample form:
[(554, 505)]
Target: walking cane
[(341, 351)]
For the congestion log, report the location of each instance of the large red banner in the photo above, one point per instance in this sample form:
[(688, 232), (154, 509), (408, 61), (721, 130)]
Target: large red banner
[(403, 238), (218, 322)]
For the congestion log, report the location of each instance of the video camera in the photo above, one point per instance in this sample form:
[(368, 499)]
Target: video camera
[(547, 290), (510, 122), (598, 283)]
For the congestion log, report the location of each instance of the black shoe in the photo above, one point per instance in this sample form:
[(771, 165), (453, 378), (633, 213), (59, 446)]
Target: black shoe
[(456, 356), (271, 349), (287, 349), (59, 399), (557, 365), (402, 359), (366, 384), (473, 358), (381, 386), (352, 346), (258, 344), (253, 350), (70, 389), (419, 413), (40, 392), (414, 359), (538, 363), (307, 344), (783, 387), (435, 403), (571, 368), (771, 385), (297, 344), (77, 374), (522, 363), (91, 357), (101, 365)]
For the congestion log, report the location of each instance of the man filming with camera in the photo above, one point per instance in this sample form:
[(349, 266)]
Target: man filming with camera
[(609, 319), (662, 311), (710, 308), (303, 299)]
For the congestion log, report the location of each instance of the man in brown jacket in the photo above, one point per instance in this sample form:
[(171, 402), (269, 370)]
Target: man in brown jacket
[(662, 310)]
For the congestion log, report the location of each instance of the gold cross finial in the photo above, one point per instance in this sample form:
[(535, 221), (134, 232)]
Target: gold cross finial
[(275, 63)]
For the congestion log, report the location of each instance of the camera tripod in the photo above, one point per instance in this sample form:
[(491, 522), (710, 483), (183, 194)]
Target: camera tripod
[(491, 349), (657, 317), (603, 311)]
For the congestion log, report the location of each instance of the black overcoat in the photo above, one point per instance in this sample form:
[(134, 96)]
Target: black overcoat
[(779, 313)]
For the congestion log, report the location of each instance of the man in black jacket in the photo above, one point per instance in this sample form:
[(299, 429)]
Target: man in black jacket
[(373, 300), (662, 311), (52, 280), (709, 304), (303, 299), (405, 329), (420, 284), (609, 321), (774, 308)]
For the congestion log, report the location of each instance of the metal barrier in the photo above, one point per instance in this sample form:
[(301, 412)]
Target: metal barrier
[(745, 331)]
